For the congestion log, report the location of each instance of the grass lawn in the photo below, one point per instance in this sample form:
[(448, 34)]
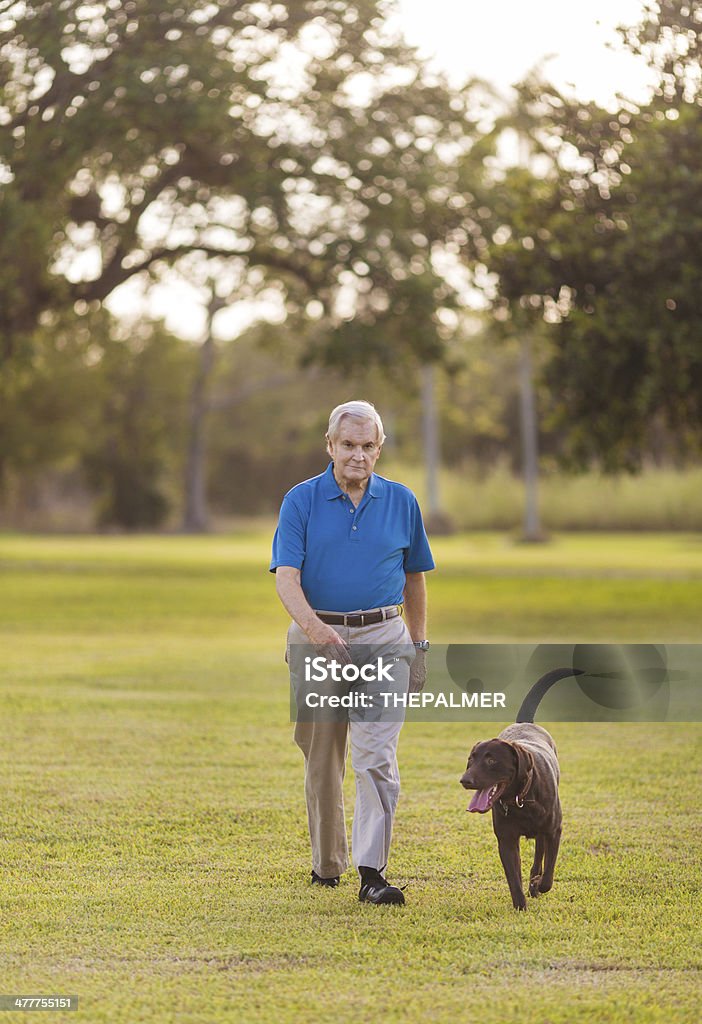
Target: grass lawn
[(154, 849)]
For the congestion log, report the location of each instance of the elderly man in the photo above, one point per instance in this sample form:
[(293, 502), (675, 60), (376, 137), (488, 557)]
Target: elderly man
[(350, 550)]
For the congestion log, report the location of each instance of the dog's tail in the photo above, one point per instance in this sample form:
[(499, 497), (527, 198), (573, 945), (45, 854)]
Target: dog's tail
[(538, 691)]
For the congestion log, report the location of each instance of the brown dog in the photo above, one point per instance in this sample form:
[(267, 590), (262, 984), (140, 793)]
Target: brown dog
[(516, 776)]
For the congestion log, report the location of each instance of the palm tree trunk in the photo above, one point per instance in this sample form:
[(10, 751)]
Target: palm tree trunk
[(196, 514), (530, 443), (436, 520), (430, 439)]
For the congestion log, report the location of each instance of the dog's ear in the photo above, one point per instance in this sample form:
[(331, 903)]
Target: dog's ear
[(525, 766)]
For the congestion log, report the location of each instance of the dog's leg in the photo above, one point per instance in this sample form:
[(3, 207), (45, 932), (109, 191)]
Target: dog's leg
[(511, 862), (537, 866), (553, 841)]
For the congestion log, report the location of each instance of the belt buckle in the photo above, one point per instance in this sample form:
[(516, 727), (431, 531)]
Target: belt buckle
[(363, 618)]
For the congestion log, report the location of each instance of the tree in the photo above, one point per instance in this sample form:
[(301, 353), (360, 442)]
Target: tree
[(669, 39), (48, 404), (628, 353), (601, 241), (134, 450), (644, 319), (105, 403), (125, 125), (302, 147), (139, 132)]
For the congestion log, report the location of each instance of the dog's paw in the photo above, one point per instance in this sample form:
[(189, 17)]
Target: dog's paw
[(534, 884), (520, 904)]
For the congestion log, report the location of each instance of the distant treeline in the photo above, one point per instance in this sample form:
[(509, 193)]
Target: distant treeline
[(120, 462)]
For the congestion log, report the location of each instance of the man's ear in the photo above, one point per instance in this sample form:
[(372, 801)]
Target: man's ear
[(329, 450)]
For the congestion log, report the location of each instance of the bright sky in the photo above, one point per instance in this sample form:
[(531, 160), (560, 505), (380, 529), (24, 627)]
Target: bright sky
[(496, 41), (502, 41)]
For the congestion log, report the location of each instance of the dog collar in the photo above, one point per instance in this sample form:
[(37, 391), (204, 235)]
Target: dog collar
[(520, 797)]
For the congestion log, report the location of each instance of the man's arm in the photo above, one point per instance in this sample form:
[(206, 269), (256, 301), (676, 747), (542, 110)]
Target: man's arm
[(416, 605), (290, 592), (416, 617)]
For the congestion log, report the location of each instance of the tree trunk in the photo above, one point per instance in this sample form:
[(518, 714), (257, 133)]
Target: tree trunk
[(195, 515), (530, 443), (430, 436), (436, 520)]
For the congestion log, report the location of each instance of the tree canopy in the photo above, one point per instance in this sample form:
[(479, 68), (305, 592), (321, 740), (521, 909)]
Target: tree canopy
[(597, 232), (300, 143)]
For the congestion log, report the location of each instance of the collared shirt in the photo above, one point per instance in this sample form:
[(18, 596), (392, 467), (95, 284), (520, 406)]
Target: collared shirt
[(351, 558)]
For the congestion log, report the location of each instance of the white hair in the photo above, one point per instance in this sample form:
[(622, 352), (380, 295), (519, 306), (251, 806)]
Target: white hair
[(359, 410)]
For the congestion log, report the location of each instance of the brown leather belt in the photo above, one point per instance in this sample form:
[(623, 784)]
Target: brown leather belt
[(361, 618)]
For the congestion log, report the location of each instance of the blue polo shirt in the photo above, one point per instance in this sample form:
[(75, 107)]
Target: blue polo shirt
[(351, 558)]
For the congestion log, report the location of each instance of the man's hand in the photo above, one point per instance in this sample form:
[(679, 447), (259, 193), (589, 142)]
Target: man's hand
[(320, 634), (329, 642), (418, 672)]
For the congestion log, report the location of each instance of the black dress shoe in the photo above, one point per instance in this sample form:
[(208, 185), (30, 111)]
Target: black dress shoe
[(375, 889), (330, 883)]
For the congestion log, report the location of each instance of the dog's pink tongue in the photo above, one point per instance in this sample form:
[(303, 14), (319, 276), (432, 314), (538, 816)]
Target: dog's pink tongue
[(481, 801)]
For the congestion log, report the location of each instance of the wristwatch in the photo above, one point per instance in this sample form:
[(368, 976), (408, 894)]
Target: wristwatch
[(422, 645)]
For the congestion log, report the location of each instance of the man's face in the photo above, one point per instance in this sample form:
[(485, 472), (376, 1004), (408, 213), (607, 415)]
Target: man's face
[(355, 451)]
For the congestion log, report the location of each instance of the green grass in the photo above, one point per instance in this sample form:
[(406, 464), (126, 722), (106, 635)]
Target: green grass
[(153, 840)]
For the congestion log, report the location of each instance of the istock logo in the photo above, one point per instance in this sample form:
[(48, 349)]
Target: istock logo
[(319, 670)]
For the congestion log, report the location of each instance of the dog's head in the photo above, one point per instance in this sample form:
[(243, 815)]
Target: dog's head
[(495, 766)]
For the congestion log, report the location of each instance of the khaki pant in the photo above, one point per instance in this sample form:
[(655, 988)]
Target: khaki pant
[(373, 758)]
